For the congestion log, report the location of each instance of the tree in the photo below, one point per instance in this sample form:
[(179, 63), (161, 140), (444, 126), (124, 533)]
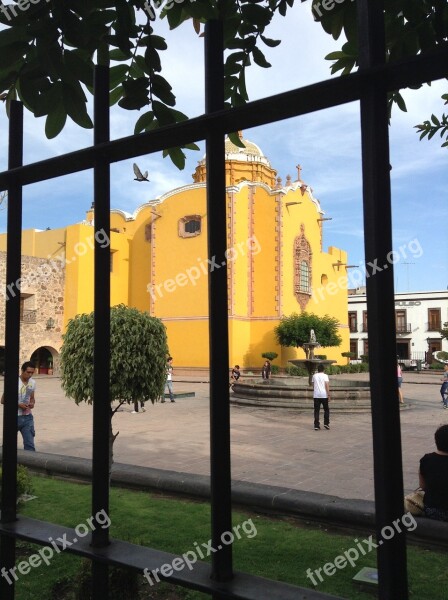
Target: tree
[(269, 355), (444, 331), (48, 51), (138, 359), (412, 27), (295, 330)]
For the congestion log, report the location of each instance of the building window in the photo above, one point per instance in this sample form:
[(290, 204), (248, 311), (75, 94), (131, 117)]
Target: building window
[(364, 321), (304, 276), (354, 348), (302, 269), (28, 312), (434, 319), (353, 322), (366, 348), (190, 226), (400, 322)]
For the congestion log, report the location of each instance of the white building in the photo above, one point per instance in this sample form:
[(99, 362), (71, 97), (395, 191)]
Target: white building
[(418, 317)]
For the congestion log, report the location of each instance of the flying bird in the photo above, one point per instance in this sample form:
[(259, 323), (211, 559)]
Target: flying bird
[(138, 174)]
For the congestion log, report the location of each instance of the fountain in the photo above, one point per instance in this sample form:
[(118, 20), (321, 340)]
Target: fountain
[(296, 393), (311, 363)]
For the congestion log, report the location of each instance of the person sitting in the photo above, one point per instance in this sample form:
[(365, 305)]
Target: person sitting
[(433, 477), (234, 375)]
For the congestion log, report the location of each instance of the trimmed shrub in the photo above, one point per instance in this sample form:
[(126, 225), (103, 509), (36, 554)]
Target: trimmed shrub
[(275, 369), (24, 483), (270, 355), (296, 371)]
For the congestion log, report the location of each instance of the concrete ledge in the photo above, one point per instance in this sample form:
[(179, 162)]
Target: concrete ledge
[(349, 514)]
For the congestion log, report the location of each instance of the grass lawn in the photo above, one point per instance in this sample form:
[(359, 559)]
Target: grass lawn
[(281, 549)]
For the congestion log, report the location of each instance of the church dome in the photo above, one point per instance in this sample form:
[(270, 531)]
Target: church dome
[(250, 153), (242, 164)]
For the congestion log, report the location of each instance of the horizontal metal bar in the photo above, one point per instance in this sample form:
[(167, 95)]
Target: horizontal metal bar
[(319, 96), (131, 556)]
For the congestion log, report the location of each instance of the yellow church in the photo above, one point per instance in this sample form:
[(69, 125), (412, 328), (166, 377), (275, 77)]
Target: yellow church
[(275, 266)]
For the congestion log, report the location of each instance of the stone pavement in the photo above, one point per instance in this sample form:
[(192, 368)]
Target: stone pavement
[(275, 447)]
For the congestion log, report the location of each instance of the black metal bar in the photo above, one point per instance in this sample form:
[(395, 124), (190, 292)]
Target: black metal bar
[(388, 468), (148, 560), (319, 96), (221, 502), (101, 405), (12, 343)]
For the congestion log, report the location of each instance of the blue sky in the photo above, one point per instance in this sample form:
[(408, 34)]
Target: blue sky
[(326, 144)]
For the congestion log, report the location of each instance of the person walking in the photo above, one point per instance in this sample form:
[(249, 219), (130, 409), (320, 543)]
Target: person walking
[(400, 381), (25, 404), (169, 380), (142, 406), (321, 395), (444, 388)]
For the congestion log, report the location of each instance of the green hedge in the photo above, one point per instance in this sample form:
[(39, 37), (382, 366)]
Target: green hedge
[(24, 483)]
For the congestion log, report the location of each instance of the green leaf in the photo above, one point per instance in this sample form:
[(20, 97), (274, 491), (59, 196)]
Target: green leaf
[(55, 121), (117, 75), (269, 42), (234, 137), (259, 58), (177, 157), (144, 121)]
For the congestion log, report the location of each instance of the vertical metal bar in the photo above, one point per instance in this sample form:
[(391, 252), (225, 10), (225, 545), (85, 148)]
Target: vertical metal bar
[(221, 505), (101, 405), (12, 346), (388, 468)]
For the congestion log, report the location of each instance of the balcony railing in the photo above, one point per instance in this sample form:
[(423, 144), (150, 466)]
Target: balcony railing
[(353, 328), (364, 328), (29, 316), (403, 328)]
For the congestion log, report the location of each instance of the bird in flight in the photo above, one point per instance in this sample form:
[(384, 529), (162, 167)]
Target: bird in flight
[(139, 176)]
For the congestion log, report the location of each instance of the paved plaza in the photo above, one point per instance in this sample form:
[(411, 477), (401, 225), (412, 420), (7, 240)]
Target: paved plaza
[(269, 446)]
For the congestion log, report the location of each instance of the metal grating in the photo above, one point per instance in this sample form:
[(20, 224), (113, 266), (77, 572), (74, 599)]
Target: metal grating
[(369, 86)]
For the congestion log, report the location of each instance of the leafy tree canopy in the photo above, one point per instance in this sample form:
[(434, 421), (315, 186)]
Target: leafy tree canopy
[(295, 330), (412, 27), (138, 356), (444, 331), (48, 50)]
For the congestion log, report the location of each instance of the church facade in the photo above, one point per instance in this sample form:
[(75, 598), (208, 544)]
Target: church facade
[(275, 261)]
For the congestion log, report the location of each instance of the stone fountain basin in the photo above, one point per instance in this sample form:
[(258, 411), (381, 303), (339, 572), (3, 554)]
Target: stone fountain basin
[(295, 393)]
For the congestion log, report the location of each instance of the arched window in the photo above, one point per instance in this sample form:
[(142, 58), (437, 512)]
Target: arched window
[(304, 276), (190, 226), (302, 269)]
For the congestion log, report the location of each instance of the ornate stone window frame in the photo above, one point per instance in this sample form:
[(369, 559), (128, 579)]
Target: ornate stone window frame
[(183, 222), (302, 258)]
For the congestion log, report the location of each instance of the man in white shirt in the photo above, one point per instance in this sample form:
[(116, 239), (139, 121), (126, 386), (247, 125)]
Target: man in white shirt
[(26, 401), (321, 395)]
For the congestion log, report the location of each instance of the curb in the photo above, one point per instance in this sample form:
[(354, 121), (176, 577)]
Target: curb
[(353, 514)]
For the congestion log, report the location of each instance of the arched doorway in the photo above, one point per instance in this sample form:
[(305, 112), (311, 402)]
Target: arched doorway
[(44, 358)]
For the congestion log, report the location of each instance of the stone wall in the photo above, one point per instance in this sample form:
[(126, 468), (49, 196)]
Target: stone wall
[(42, 299)]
